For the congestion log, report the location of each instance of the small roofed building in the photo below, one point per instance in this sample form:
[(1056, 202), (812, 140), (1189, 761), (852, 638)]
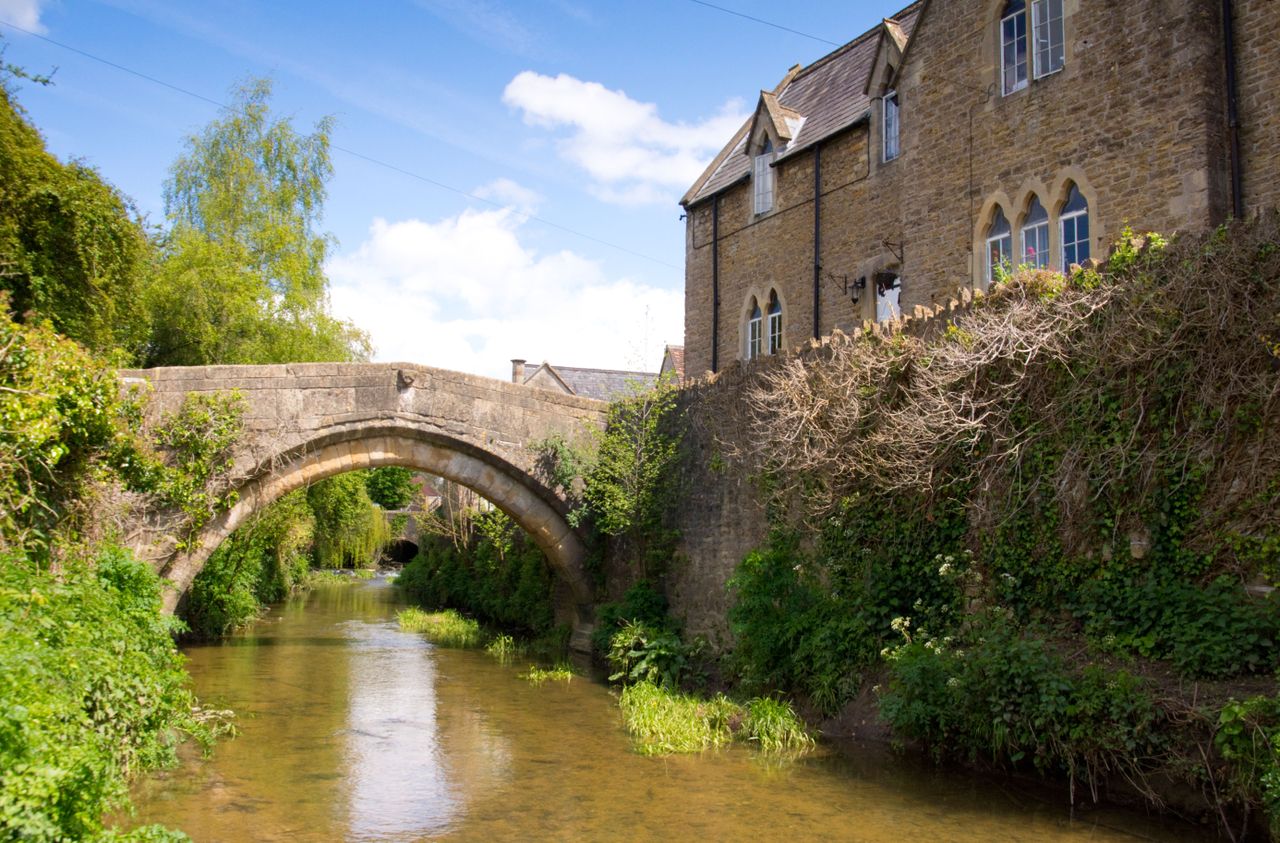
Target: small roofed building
[(600, 384), (672, 369)]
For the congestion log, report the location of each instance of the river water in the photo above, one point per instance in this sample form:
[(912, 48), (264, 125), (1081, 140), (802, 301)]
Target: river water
[(354, 730)]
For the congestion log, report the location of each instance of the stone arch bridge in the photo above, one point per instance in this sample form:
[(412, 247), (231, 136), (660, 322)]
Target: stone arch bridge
[(306, 422)]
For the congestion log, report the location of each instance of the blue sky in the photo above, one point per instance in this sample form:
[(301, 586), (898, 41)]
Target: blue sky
[(593, 116)]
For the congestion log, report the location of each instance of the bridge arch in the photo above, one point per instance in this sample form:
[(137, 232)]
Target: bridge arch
[(376, 442)]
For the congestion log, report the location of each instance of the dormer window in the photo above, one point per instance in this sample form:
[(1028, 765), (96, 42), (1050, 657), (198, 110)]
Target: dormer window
[(762, 177), (890, 125)]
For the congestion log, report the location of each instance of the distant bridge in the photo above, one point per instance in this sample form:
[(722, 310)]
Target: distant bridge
[(306, 422)]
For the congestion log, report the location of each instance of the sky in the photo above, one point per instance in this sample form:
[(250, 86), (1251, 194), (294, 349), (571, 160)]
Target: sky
[(527, 157)]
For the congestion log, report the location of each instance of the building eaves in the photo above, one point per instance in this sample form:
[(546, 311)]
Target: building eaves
[(829, 94)]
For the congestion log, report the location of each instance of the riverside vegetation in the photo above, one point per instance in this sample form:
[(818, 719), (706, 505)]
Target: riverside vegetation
[(1028, 534), (94, 691)]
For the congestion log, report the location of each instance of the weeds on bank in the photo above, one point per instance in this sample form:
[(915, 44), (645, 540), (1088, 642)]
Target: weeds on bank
[(663, 722), (538, 675), (504, 648), (447, 628)]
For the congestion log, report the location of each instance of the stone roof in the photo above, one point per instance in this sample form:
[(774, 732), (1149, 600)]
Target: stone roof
[(600, 384), (828, 96)]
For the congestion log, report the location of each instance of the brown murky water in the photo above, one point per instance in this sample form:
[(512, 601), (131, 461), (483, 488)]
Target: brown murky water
[(354, 730)]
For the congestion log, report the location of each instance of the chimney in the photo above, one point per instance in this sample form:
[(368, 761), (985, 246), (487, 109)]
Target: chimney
[(517, 371)]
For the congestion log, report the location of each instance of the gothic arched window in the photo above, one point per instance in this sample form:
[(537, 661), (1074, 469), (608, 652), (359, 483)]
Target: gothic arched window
[(999, 246), (775, 323), (1074, 225), (1035, 236), (755, 321)]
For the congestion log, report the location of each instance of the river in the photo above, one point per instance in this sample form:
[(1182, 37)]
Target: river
[(354, 730)]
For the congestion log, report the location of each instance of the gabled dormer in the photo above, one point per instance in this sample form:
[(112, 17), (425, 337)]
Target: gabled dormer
[(773, 127), (882, 86)]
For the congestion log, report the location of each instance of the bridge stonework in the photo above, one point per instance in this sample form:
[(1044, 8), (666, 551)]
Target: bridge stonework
[(306, 422)]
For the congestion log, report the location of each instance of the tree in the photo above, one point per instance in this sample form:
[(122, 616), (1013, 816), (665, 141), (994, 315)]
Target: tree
[(72, 249), (242, 273), (391, 487)]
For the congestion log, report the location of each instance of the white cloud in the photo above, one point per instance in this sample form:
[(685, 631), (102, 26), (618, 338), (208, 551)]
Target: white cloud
[(633, 155), (465, 293), (510, 193), (23, 13)]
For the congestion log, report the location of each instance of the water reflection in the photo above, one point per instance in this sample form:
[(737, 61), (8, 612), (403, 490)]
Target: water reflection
[(353, 730)]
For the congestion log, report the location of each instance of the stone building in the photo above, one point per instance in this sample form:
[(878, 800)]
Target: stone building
[(957, 137), (600, 384)]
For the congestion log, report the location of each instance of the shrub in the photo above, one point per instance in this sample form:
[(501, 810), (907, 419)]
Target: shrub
[(538, 675), (640, 653), (93, 693)]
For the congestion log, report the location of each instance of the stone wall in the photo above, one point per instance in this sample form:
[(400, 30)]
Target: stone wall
[(1257, 32)]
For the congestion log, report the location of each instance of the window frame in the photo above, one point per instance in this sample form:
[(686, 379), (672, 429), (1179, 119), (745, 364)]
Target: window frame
[(1006, 249), (1076, 242), (1017, 17), (762, 178), (774, 333), (1036, 25), (886, 124), (1040, 227), (754, 325)]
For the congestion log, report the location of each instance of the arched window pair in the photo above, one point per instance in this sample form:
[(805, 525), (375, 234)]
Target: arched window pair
[(1046, 52), (1033, 245), (764, 337)]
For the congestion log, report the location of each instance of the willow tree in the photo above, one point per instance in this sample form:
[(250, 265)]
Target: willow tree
[(241, 278)]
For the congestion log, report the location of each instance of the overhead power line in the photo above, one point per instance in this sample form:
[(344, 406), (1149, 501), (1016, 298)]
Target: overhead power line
[(352, 152), (764, 22)]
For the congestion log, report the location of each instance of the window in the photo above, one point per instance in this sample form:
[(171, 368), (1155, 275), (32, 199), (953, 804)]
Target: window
[(1013, 45), (890, 125), (1049, 38), (775, 323), (1075, 229), (888, 290), (763, 178), (1035, 236), (753, 331), (999, 246)]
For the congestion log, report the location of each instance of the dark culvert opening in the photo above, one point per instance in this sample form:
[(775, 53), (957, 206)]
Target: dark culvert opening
[(399, 552)]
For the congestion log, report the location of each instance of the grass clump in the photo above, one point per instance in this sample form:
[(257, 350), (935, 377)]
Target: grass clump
[(447, 628), (537, 675), (504, 648), (774, 726), (662, 721)]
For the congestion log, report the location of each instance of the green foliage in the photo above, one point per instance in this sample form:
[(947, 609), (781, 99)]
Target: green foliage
[(349, 530), (1007, 697), (72, 248), (390, 487), (662, 721), (814, 622), (1248, 739), (629, 489), (773, 725), (241, 273), (1214, 631), (447, 628), (639, 652), (640, 604), (537, 675), (262, 562), (504, 648), (61, 417), (497, 573), (93, 692)]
